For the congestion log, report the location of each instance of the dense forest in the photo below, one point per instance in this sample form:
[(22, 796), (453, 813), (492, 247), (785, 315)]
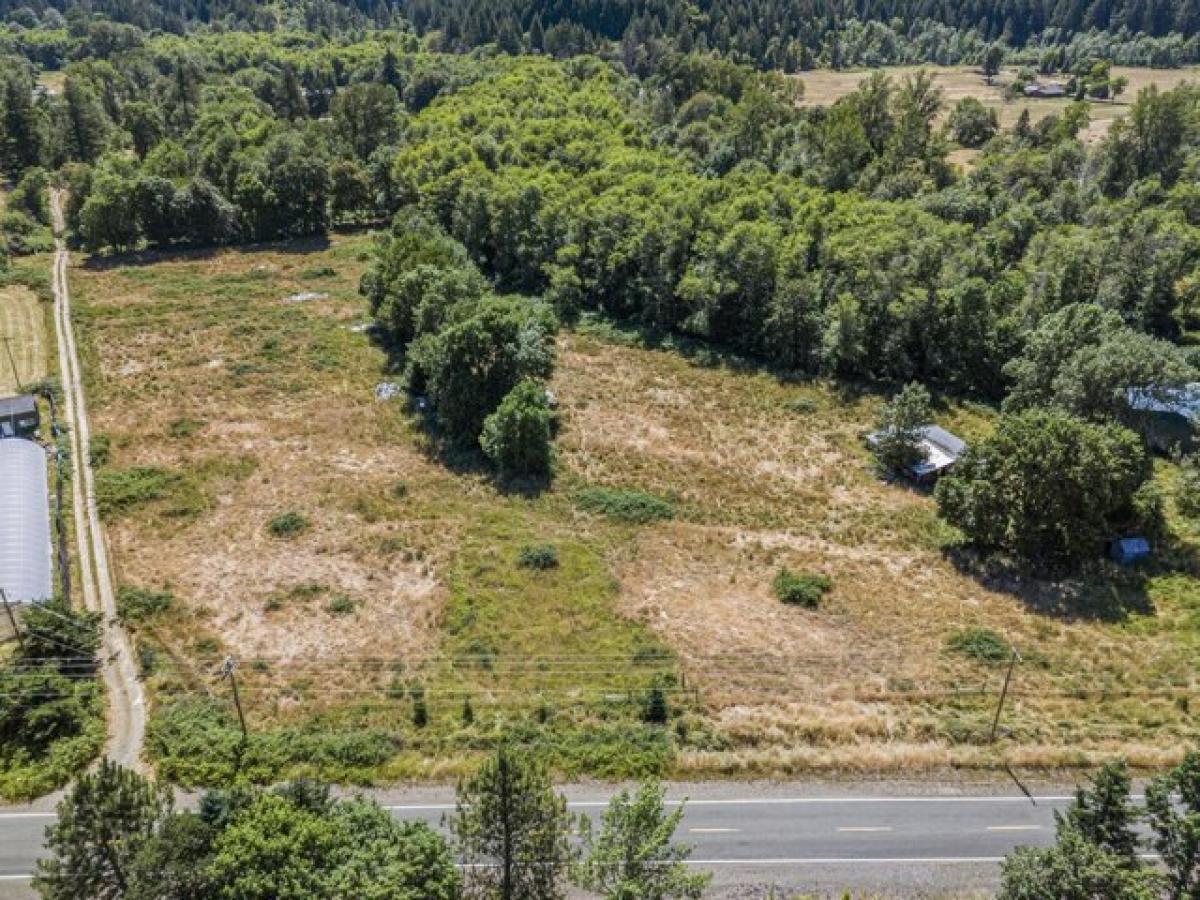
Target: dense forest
[(791, 35)]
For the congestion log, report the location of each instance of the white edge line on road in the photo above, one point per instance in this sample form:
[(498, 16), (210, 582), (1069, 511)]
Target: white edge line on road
[(28, 815), (768, 801), (865, 828), (713, 830), (1014, 828)]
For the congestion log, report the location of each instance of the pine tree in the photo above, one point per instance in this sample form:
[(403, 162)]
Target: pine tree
[(537, 35), (100, 827), (513, 830)]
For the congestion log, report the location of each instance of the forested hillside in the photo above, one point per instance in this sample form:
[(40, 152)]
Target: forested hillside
[(784, 34)]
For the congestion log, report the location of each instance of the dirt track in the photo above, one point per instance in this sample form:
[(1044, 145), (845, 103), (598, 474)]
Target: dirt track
[(126, 701)]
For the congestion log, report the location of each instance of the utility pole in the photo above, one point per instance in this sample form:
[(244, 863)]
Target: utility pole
[(229, 670), (1012, 663), (12, 620)]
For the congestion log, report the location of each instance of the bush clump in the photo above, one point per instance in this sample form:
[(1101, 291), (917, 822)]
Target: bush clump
[(800, 588), (137, 603), (288, 524), (980, 644), (118, 491), (627, 506), (1187, 494), (539, 556)]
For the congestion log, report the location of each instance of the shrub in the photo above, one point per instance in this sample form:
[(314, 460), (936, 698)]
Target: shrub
[(654, 707), (319, 272), (420, 710), (981, 644), (341, 605), (185, 427), (136, 603), (627, 506), (1187, 493), (541, 556), (400, 490), (518, 436), (119, 491), (98, 450), (800, 588), (288, 524)]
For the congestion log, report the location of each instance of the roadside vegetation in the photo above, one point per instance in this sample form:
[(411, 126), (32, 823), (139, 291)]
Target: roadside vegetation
[(51, 715), (119, 835), (1104, 838)]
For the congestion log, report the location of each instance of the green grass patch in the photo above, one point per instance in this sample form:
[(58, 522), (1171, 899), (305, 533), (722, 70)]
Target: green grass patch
[(636, 507), (980, 644), (801, 588), (120, 491), (185, 427)]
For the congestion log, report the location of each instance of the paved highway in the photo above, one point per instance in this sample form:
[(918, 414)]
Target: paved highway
[(896, 840)]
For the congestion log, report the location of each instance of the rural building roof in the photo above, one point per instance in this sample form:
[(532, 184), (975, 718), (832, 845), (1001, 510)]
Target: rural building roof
[(17, 406), (1184, 401), (942, 449), (24, 522), (18, 416)]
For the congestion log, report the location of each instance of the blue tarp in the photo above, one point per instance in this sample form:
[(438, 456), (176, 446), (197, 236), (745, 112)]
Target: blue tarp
[(1130, 550)]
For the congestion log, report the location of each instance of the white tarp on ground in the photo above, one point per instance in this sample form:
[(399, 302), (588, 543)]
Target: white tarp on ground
[(24, 522)]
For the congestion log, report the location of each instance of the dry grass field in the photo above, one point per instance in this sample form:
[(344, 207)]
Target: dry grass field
[(396, 588), (23, 334)]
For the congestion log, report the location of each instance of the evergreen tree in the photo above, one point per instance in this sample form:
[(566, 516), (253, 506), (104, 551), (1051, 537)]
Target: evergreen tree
[(100, 827), (513, 830)]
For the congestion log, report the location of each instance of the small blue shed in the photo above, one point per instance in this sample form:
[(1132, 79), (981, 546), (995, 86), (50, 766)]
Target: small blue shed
[(1129, 551)]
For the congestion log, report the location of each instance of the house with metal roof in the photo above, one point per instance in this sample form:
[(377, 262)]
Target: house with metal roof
[(19, 416), (941, 451), (1048, 89), (1169, 418), (25, 555)]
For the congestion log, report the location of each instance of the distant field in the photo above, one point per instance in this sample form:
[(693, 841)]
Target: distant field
[(22, 323), (824, 86), (221, 404)]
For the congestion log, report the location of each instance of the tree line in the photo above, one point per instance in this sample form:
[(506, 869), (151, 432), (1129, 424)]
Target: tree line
[(119, 836)]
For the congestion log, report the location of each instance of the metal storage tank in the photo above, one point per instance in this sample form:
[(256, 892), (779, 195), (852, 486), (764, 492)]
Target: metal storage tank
[(24, 522)]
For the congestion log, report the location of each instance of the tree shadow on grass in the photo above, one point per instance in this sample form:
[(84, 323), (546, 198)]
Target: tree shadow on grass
[(139, 258), (1102, 592)]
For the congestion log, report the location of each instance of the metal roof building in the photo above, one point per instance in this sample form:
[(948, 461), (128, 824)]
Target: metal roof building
[(941, 451), (24, 522)]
